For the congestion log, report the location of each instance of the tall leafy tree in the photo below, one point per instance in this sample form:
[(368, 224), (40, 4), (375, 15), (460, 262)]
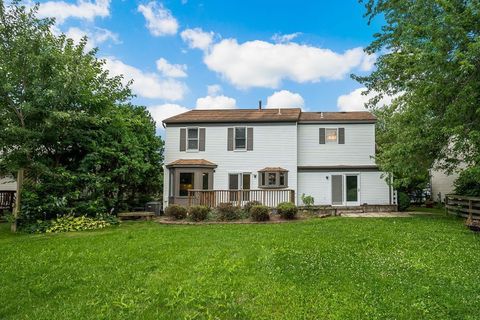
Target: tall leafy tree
[(429, 57), (66, 123)]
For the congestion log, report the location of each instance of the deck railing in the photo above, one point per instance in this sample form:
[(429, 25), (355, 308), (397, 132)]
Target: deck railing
[(467, 207), (7, 199), (212, 198)]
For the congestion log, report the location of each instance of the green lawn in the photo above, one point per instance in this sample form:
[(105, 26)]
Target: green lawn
[(425, 267)]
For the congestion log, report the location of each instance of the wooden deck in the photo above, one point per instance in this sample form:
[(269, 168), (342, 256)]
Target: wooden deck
[(212, 198)]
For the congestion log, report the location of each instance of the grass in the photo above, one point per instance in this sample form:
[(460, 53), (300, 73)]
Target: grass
[(424, 267)]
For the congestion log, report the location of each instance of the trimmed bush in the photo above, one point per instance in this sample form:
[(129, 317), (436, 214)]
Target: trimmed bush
[(403, 201), (175, 211), (260, 213), (227, 212), (198, 213), (287, 210), (250, 204)]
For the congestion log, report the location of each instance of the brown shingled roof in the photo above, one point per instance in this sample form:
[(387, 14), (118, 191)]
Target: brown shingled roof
[(337, 116), (191, 162), (236, 115), (267, 115)]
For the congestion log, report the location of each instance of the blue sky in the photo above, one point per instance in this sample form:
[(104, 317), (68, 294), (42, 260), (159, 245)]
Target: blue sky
[(186, 54)]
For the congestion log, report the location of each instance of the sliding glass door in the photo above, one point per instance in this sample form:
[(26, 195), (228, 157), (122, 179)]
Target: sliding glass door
[(345, 190)]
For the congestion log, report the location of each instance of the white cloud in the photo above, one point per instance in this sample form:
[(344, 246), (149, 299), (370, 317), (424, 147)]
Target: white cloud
[(282, 38), (368, 63), (197, 38), (264, 64), (216, 102), (87, 10), (171, 70), (355, 100), (147, 84), (285, 99), (164, 111), (214, 89), (95, 36), (160, 21)]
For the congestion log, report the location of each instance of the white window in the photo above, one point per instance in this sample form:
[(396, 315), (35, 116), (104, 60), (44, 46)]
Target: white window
[(192, 139), (331, 136), (240, 138)]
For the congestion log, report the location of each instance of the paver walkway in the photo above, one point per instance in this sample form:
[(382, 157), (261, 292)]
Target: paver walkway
[(381, 214)]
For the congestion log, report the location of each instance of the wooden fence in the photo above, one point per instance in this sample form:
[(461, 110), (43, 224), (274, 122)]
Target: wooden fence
[(212, 198), (467, 207), (7, 199)]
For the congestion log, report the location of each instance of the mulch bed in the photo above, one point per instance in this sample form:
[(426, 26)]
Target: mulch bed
[(273, 219)]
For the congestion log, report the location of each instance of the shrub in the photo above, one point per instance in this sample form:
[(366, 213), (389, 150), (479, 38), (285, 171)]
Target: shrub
[(175, 211), (287, 210), (227, 212), (307, 200), (198, 213), (260, 213), (250, 204), (68, 223), (468, 182), (403, 201)]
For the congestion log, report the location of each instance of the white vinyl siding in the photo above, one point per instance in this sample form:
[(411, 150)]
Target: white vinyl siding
[(358, 149), (373, 188)]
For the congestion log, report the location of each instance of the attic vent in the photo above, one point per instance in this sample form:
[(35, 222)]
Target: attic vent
[(321, 115)]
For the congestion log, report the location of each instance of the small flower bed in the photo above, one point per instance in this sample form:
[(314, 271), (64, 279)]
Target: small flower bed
[(69, 223)]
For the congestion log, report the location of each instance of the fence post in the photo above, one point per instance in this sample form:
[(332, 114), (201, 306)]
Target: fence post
[(446, 204), (189, 198), (470, 214)]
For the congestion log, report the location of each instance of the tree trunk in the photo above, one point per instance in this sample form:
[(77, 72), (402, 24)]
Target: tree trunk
[(18, 199)]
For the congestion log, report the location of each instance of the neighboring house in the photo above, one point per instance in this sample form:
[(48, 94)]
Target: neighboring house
[(442, 184), (7, 183), (328, 155)]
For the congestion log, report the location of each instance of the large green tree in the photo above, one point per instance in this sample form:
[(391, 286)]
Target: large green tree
[(429, 58), (66, 124)]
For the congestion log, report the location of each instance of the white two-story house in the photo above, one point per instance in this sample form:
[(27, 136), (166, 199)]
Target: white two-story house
[(327, 155)]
